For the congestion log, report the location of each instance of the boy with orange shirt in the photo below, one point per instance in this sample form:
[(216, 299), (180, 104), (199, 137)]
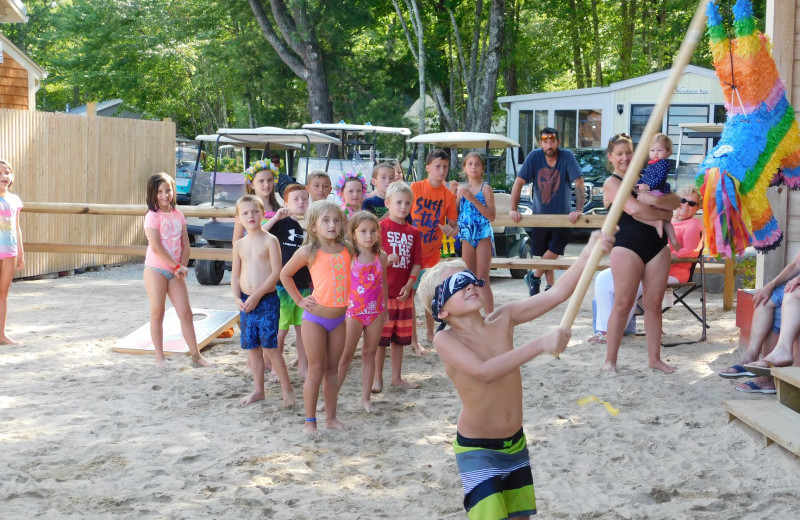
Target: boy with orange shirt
[(433, 208)]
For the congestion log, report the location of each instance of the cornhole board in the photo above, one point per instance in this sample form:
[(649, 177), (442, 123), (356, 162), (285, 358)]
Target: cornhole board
[(208, 324)]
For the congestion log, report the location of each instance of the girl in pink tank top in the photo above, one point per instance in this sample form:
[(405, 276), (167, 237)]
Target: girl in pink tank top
[(327, 254), (369, 292)]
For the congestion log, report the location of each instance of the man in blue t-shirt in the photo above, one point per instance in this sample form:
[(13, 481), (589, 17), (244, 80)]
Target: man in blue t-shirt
[(552, 171)]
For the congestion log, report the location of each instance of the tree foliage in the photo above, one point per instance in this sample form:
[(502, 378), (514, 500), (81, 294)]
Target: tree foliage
[(210, 63)]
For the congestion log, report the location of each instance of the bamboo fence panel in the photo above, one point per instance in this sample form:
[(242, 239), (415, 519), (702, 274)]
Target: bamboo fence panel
[(78, 159)]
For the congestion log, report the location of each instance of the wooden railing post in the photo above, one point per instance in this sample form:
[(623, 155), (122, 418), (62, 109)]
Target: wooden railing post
[(729, 285)]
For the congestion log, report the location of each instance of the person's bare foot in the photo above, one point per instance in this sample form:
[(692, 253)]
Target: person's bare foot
[(660, 365), (321, 406), (377, 386), (293, 363), (248, 371), (303, 371), (418, 349), (779, 359), (252, 398), (608, 366), (335, 424), (368, 406), (429, 336), (200, 360), (310, 427), (274, 377), (5, 340), (161, 361), (404, 384), (289, 399)]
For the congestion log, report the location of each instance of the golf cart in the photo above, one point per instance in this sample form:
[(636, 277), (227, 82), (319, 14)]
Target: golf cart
[(509, 241), (187, 160), (358, 149), (223, 189)]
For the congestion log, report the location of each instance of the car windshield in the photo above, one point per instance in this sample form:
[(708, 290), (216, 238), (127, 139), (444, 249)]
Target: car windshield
[(593, 162)]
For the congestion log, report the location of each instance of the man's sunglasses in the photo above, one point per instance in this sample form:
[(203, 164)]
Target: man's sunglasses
[(548, 138), (691, 203)]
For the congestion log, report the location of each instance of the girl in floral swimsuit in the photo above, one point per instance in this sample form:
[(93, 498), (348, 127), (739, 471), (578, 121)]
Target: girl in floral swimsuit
[(369, 290)]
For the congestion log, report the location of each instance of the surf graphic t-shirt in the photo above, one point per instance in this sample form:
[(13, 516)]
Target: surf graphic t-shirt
[(170, 229), (430, 208)]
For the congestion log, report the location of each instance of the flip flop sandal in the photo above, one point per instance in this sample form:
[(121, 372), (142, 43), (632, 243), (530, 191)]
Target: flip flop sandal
[(749, 387), (740, 372), (598, 339)]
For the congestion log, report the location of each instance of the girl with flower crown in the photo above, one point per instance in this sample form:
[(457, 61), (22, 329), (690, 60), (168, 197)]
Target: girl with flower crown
[(351, 188), (260, 180)]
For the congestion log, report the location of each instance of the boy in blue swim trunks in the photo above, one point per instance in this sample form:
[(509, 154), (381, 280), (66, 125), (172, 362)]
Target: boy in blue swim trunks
[(255, 272), (480, 358)]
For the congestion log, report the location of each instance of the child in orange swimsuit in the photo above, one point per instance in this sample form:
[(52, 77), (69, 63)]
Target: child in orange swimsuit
[(369, 292), (327, 254)]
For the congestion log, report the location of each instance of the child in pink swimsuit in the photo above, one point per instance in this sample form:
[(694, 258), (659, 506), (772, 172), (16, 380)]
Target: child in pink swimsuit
[(369, 291)]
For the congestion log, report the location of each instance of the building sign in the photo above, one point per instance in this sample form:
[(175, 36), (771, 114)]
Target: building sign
[(684, 90)]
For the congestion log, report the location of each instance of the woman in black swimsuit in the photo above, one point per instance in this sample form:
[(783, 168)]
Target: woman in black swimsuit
[(639, 254)]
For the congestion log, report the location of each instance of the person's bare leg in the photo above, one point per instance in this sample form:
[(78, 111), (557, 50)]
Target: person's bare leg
[(429, 323), (330, 383), (654, 282), (415, 344), (353, 330), (6, 275), (397, 368), (302, 360), (483, 265), (257, 364), (179, 296), (626, 269), (279, 366), (377, 380), (760, 328), (782, 356), (548, 275), (372, 335), (315, 339), (156, 286)]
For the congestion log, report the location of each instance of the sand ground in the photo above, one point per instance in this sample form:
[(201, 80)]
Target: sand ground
[(89, 433)]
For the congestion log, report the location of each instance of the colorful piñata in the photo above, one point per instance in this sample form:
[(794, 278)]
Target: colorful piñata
[(760, 143)]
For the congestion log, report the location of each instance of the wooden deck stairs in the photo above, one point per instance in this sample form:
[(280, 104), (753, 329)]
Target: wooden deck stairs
[(778, 420)]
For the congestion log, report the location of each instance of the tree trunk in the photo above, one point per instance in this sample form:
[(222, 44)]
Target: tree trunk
[(628, 31), (510, 68), (575, 42), (598, 66), (298, 47)]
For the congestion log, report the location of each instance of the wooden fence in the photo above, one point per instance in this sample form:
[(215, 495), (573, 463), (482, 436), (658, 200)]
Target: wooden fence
[(82, 159)]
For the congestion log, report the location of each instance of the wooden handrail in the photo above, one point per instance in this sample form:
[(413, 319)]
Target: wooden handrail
[(198, 253), (137, 210)]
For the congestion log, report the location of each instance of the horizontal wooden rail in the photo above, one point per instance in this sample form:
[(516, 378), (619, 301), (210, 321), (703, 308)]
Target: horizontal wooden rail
[(137, 210), (198, 253), (585, 221)]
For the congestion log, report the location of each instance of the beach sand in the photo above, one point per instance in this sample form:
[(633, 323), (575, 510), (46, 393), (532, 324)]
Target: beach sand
[(89, 433)]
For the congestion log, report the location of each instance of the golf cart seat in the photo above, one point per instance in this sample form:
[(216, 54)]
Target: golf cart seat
[(502, 205)]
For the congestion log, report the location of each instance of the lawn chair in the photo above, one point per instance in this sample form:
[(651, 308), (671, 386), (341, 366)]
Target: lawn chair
[(682, 290)]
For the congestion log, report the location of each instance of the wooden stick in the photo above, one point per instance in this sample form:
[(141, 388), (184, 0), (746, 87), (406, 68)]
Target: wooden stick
[(693, 35), (138, 210)]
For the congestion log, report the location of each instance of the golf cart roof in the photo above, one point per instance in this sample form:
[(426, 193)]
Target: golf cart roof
[(272, 136), (465, 140), (360, 129), (227, 141)]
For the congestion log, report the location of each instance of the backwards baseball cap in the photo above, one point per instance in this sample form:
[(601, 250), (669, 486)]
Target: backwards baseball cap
[(548, 130), (451, 285)]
